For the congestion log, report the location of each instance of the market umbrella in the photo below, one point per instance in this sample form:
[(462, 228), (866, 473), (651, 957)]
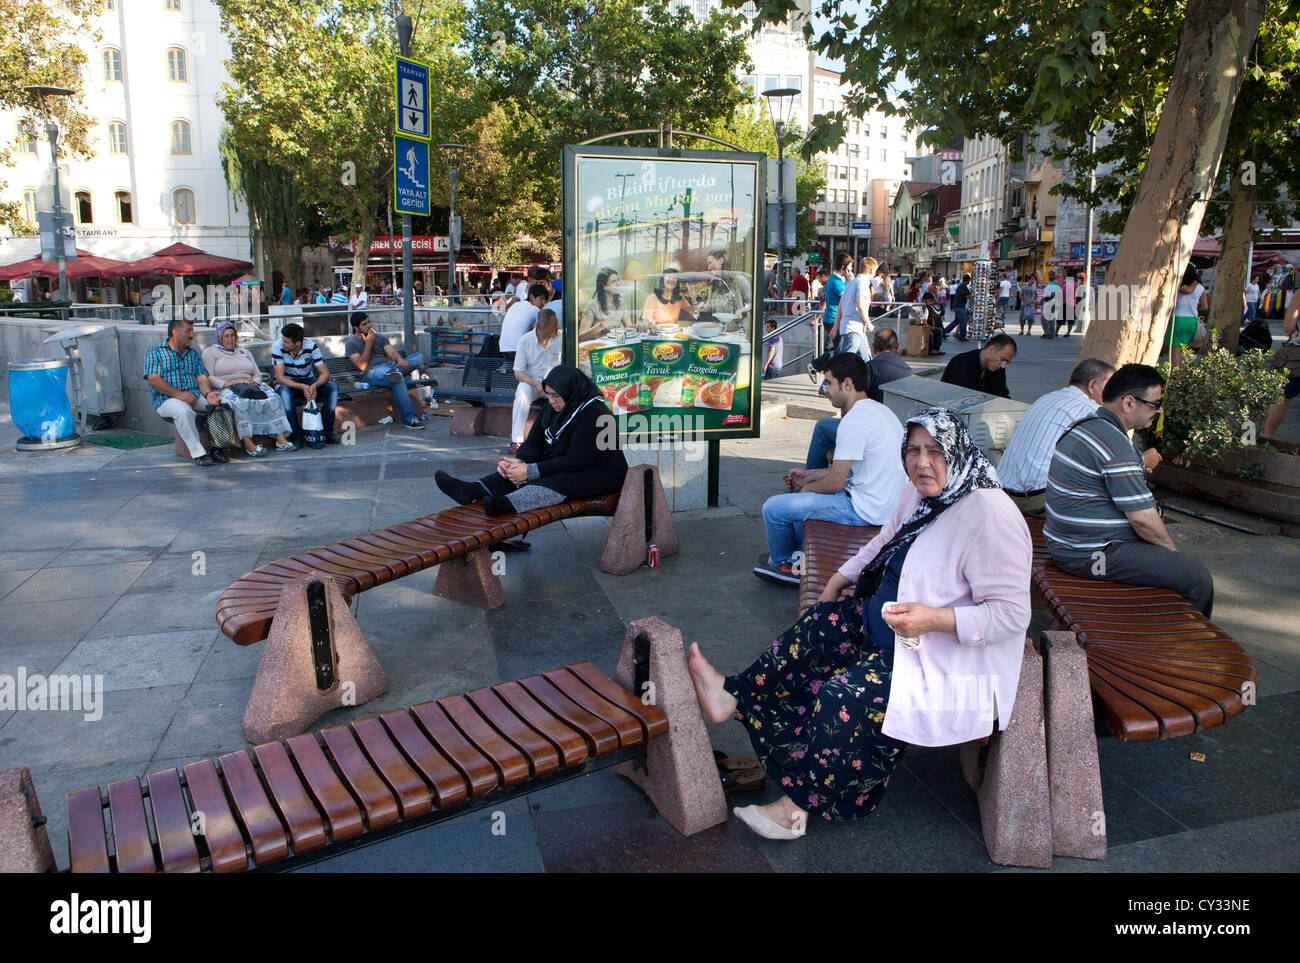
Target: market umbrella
[(86, 265), (183, 260)]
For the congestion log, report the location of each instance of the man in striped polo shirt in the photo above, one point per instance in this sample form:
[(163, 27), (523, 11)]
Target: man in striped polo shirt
[(1102, 522), (300, 371)]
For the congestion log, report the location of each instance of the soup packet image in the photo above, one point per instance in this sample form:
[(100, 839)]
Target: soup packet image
[(710, 374), (663, 364), (617, 373)]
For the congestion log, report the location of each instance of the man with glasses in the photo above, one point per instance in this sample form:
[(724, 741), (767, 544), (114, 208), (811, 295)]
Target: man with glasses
[(1102, 521)]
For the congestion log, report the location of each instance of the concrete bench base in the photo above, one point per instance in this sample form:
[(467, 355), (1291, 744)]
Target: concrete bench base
[(24, 843)]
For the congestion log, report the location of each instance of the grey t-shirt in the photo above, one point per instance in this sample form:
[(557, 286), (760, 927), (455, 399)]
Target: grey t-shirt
[(356, 345)]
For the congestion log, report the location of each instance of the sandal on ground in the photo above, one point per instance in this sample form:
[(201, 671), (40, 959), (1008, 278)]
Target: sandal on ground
[(741, 780), (751, 817), (734, 763)]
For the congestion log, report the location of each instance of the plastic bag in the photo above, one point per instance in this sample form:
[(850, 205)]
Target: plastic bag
[(313, 426)]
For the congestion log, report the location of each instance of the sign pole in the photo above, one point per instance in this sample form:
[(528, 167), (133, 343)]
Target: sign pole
[(52, 129), (404, 30)]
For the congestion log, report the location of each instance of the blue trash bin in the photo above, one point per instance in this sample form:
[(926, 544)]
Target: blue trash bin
[(38, 404)]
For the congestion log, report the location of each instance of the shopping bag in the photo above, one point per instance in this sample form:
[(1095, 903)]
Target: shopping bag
[(313, 426)]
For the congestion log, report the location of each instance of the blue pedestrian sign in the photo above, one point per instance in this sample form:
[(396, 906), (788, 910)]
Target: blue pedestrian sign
[(411, 176), (412, 90)]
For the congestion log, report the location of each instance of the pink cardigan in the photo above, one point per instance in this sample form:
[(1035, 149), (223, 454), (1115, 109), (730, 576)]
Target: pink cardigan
[(975, 559), (224, 367)]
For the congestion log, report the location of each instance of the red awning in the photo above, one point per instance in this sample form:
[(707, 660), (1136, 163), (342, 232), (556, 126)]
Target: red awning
[(183, 260), (1207, 247), (86, 265)]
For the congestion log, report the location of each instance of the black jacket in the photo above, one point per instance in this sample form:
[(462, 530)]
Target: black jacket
[(584, 461), (964, 370)]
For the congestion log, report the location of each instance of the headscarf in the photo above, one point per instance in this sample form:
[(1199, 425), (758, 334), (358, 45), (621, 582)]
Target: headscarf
[(222, 328), (968, 469), (577, 390)]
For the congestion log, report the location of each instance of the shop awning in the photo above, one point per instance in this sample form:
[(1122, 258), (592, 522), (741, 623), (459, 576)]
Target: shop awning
[(182, 260), (86, 265)]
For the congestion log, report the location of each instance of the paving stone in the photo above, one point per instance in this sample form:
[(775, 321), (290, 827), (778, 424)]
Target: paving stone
[(140, 661), (27, 623), (85, 581), (11, 580)]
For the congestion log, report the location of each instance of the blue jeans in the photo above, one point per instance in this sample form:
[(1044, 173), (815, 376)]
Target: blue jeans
[(959, 322), (852, 342), (375, 376), (327, 397), (1249, 315), (784, 515), (823, 440)]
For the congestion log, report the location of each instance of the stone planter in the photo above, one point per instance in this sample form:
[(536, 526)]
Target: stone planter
[(1275, 495)]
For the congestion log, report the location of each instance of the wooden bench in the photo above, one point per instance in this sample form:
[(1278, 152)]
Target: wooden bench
[(245, 609), (1157, 667)]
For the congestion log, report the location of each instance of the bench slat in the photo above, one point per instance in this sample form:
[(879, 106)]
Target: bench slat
[(131, 843), (652, 718), (299, 813), (541, 755), (449, 786), (1173, 719), (261, 823), (478, 770), (601, 737), (569, 741), (171, 821), (379, 804), (226, 847), (87, 838), (332, 797), (412, 794), (511, 766), (626, 725)]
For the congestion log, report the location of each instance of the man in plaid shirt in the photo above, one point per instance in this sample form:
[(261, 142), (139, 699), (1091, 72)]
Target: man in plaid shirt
[(179, 385)]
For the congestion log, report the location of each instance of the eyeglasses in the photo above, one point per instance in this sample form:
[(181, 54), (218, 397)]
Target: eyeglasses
[(1155, 405)]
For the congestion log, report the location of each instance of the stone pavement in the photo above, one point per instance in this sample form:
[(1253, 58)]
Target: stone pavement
[(98, 574)]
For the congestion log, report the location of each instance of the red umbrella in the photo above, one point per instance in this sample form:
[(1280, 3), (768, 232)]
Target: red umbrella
[(183, 260), (86, 265)]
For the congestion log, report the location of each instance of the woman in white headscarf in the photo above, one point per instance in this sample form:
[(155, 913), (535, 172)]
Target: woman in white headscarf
[(258, 411), (831, 705)]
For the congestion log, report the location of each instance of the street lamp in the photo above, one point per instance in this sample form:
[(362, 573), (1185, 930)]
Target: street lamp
[(780, 104), (52, 131), (453, 154)]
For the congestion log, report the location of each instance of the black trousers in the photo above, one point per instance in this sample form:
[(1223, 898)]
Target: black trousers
[(1141, 563)]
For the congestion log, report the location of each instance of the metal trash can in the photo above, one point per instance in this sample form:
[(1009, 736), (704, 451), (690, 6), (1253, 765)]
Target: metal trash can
[(38, 404)]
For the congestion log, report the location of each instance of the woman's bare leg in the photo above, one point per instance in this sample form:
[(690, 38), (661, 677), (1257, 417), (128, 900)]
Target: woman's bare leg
[(1276, 414), (718, 704)]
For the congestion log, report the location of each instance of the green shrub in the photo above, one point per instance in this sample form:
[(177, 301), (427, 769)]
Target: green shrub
[(1210, 398)]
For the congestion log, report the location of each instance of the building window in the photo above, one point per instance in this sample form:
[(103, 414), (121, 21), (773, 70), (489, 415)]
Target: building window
[(112, 64), (26, 135), (29, 206), (797, 84), (184, 205), (866, 198), (180, 137), (884, 133), (883, 155), (771, 81), (117, 137), (176, 64), (174, 5), (85, 211), (123, 201)]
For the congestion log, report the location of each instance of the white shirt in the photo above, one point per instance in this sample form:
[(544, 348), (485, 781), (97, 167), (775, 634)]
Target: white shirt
[(1004, 288), (850, 316), (520, 318), (871, 437), (1186, 306), (1252, 293), (533, 359), (1024, 465), (952, 288), (521, 290), (359, 301)]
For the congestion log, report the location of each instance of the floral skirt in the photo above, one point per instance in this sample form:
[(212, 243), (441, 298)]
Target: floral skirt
[(814, 704)]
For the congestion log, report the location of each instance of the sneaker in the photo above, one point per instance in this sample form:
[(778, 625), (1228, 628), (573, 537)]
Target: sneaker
[(821, 391), (329, 440), (813, 374), (258, 452), (204, 461), (783, 573), (416, 425), (218, 456), (394, 377), (287, 446)]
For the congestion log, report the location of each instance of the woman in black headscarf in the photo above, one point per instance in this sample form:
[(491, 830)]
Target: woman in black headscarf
[(571, 452), (833, 702)]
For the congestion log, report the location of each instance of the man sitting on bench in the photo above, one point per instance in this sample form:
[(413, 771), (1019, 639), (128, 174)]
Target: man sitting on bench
[(383, 366), (300, 369), (178, 384), (862, 485), (1102, 521), (536, 354)]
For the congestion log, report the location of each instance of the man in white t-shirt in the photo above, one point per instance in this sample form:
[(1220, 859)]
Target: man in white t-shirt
[(1004, 298), (520, 318), (536, 354), (1252, 300), (853, 317), (359, 298), (861, 486)]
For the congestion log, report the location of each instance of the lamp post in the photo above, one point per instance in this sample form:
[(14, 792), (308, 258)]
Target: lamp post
[(453, 154), (780, 102), (52, 131)]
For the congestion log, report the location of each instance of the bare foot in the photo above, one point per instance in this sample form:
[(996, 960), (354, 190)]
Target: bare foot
[(718, 704), (785, 813)]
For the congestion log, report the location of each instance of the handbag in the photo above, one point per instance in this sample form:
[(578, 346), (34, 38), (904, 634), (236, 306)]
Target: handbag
[(313, 426), (221, 426), (1286, 358), (250, 391)]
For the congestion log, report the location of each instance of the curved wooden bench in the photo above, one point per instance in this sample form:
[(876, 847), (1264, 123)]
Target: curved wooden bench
[(827, 546), (245, 609), (1157, 666), (284, 802)]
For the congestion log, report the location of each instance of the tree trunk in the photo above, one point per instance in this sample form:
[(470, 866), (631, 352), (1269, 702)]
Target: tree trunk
[(1230, 279), (1182, 168), (361, 250)]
